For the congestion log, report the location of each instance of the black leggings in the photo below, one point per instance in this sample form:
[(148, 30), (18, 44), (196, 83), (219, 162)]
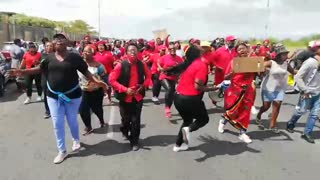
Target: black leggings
[(91, 101), (45, 92), (170, 87), (156, 85), (29, 80), (189, 108)]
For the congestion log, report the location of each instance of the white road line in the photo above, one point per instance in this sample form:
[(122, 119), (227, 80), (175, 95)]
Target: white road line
[(112, 119)]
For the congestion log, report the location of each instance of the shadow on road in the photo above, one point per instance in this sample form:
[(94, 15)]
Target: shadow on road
[(264, 135), (104, 148), (213, 147), (149, 101), (11, 93), (114, 128)]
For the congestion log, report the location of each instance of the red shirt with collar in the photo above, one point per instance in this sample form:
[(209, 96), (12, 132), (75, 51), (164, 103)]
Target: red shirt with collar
[(32, 60), (134, 80), (197, 70), (221, 59), (168, 61), (106, 58)]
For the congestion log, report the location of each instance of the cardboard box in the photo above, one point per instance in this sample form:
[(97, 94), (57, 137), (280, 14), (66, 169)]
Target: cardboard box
[(162, 34), (248, 64)]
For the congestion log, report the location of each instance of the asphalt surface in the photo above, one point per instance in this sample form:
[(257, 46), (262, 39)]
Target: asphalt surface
[(27, 147)]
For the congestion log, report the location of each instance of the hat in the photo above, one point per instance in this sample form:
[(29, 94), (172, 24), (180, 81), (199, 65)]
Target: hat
[(162, 47), (280, 49), (151, 43), (100, 43), (230, 38), (60, 35), (314, 44)]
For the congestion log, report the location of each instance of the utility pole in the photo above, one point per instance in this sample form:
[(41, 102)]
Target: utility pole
[(268, 18), (99, 19)]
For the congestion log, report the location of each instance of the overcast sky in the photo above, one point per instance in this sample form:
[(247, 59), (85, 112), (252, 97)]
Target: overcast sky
[(204, 19)]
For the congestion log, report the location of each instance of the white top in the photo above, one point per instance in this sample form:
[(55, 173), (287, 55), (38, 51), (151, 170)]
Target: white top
[(180, 53), (277, 77)]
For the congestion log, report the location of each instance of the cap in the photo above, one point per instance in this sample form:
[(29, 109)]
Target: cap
[(314, 44), (60, 35), (152, 43), (230, 38), (280, 49), (162, 47), (100, 43)]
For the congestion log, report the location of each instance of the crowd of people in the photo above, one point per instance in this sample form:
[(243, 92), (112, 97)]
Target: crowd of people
[(78, 79)]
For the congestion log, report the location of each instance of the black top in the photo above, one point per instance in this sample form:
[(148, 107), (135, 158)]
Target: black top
[(62, 76)]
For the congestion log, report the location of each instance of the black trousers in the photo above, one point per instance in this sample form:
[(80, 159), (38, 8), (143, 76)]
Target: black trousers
[(156, 85), (45, 92), (29, 80), (189, 108), (170, 87), (131, 119), (91, 101)]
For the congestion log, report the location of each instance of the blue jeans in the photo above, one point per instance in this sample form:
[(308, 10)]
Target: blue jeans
[(313, 105), (58, 111)]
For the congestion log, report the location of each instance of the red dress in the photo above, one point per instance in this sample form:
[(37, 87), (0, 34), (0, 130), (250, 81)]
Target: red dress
[(239, 98)]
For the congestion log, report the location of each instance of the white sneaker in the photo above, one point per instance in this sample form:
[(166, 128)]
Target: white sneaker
[(186, 134), (27, 101), (183, 147), (60, 157), (245, 138), (76, 146), (39, 99), (221, 126), (154, 99), (254, 110)]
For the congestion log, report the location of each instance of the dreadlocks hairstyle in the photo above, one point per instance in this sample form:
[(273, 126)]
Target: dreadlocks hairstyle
[(192, 53)]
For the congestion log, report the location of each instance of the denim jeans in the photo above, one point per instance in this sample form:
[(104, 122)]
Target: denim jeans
[(58, 111), (307, 104)]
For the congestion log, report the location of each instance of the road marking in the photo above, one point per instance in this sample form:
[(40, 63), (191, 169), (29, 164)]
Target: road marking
[(112, 118)]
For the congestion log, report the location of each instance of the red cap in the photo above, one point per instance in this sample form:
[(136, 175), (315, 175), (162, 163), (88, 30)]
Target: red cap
[(152, 43), (141, 41), (100, 43), (162, 47), (230, 38), (267, 40)]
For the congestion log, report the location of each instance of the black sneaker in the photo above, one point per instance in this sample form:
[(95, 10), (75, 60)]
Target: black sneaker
[(308, 138), (290, 128)]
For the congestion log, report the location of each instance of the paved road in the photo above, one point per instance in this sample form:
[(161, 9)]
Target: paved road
[(27, 148)]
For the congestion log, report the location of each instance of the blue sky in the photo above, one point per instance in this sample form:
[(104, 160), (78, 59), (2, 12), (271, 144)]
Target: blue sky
[(204, 19)]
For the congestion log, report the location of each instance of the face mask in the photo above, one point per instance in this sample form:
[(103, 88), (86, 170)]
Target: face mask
[(132, 58)]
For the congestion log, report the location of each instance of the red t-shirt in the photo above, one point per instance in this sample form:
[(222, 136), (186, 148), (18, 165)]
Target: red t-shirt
[(32, 60), (221, 59), (197, 70), (106, 58), (155, 59), (133, 82), (168, 61)]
